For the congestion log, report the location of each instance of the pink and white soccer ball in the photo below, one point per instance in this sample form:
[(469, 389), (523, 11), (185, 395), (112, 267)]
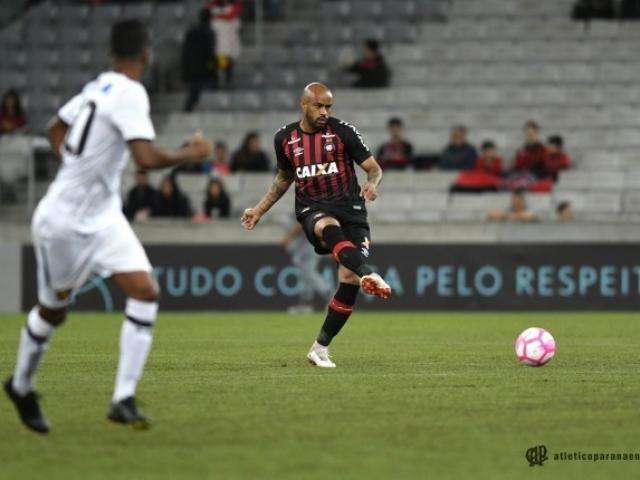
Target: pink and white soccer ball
[(535, 346)]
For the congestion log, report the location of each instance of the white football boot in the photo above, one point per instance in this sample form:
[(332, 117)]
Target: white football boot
[(319, 356), (373, 284)]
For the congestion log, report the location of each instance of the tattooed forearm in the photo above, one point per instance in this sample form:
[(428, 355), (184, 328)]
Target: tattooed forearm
[(374, 174), (278, 188)]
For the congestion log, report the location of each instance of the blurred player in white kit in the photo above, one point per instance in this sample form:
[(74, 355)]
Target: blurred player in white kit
[(79, 229)]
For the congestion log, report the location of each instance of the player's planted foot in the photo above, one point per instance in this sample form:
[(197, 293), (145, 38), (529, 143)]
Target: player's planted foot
[(126, 412), (373, 284), (319, 356), (28, 408)]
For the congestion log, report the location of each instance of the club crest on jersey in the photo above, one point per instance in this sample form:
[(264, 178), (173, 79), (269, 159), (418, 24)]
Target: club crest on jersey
[(328, 147), (317, 170)]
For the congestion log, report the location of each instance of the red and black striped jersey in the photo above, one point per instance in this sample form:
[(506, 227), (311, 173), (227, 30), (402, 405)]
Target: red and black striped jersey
[(322, 162)]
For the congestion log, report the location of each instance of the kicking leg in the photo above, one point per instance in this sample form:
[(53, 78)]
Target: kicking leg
[(135, 343), (338, 312), (34, 341), (328, 229)]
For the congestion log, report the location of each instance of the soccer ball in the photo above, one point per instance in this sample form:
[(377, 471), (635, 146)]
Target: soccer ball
[(535, 347)]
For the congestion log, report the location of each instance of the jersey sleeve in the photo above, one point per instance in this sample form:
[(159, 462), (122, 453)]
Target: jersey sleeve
[(131, 115), (69, 111), (281, 158), (354, 145)]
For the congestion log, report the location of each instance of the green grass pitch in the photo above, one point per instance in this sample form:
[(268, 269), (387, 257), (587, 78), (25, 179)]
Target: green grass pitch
[(422, 395)]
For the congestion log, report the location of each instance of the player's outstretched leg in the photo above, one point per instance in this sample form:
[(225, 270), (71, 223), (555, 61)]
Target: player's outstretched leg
[(34, 341), (348, 255), (338, 312), (135, 342)]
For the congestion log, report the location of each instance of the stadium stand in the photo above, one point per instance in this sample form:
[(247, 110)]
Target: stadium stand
[(487, 64)]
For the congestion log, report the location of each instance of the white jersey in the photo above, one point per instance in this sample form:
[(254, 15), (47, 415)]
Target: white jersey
[(110, 111)]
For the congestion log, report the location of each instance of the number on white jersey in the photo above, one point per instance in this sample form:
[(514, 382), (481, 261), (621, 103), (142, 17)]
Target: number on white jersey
[(77, 136)]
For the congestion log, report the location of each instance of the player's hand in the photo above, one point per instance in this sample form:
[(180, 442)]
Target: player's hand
[(369, 192), (250, 218), (201, 147)]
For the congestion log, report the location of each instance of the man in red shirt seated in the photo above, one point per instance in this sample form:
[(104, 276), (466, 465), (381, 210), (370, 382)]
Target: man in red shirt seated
[(489, 161), (557, 159), (397, 153), (532, 156)]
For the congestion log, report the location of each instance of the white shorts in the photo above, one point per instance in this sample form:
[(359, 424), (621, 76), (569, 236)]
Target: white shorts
[(66, 258)]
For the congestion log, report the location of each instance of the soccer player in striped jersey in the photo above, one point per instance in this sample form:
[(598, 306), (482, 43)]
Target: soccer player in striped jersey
[(319, 154)]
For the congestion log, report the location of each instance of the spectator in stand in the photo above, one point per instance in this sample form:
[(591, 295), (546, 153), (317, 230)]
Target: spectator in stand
[(220, 166), (171, 202), (141, 199), (397, 153), (372, 70), (226, 25), (630, 9), (250, 157), (217, 200), (564, 211), (199, 63), (486, 176), (12, 117), (588, 9), (557, 159), (489, 161), (459, 154), (517, 212), (532, 156)]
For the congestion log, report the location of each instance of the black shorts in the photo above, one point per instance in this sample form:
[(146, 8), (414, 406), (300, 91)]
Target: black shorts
[(353, 222)]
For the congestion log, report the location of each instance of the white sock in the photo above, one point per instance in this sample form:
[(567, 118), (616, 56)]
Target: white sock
[(33, 343), (135, 342)]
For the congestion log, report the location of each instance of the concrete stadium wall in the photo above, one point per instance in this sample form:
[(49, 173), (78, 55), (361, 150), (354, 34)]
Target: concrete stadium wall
[(230, 232)]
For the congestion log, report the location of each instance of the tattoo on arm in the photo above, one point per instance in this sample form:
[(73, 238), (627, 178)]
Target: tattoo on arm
[(374, 175), (278, 188)]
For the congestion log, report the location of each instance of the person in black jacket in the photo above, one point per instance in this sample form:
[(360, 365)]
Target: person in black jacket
[(141, 198), (171, 202), (217, 199), (372, 70), (250, 157), (199, 63)]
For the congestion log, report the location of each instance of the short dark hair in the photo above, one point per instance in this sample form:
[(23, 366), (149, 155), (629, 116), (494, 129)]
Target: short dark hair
[(487, 144), (129, 38), (562, 206), (395, 122), (532, 124), (520, 191), (460, 128), (372, 44), (204, 15), (556, 140)]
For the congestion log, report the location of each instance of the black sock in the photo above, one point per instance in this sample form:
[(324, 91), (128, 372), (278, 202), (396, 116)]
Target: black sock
[(344, 251), (338, 312)]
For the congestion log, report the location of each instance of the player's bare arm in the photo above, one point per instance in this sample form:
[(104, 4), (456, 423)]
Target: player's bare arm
[(56, 131), (369, 190), (279, 187), (148, 156)]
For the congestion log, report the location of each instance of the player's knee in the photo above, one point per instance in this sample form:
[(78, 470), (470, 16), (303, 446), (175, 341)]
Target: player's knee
[(147, 292), (323, 223), (55, 317)]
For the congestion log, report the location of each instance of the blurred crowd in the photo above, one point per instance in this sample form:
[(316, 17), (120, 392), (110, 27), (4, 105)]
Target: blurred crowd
[(535, 166)]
